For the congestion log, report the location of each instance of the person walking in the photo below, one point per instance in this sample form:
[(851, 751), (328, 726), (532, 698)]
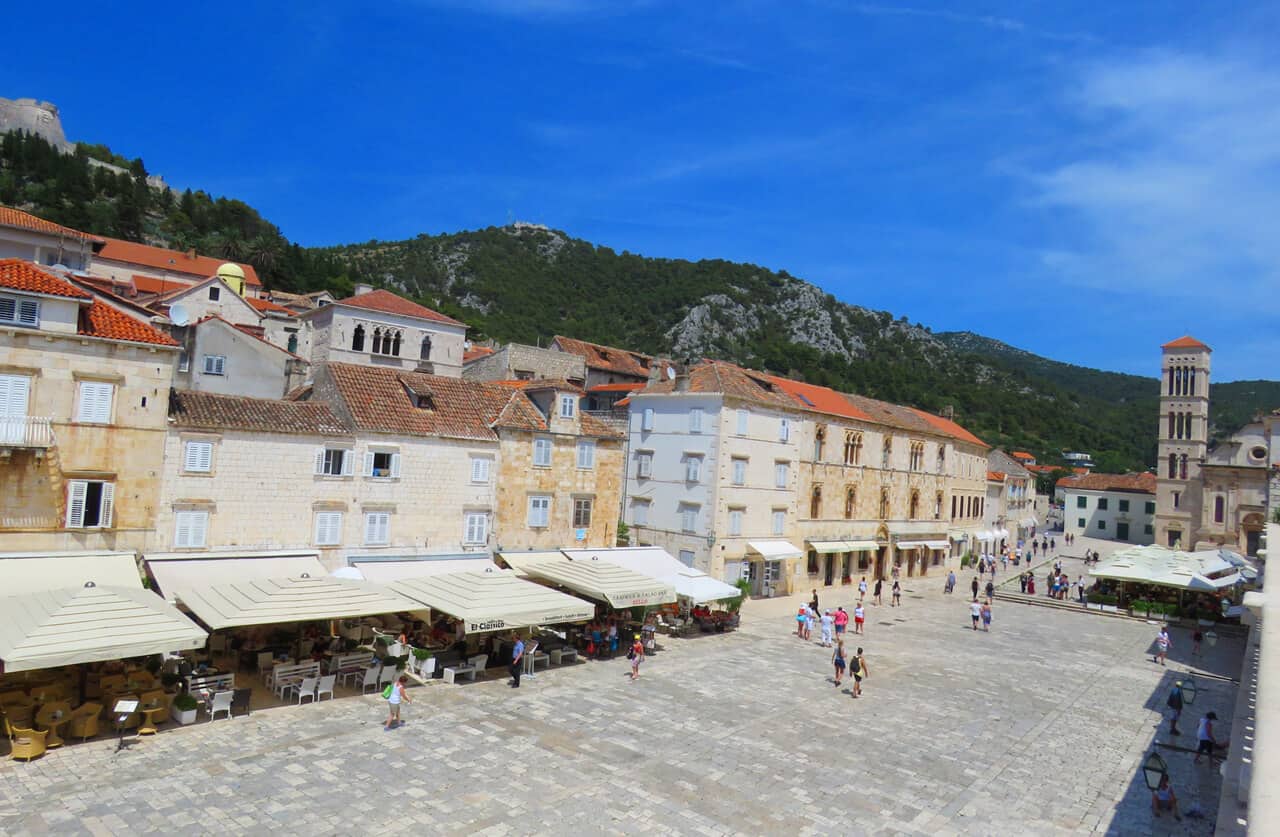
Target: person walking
[(636, 656), (859, 617), (837, 659), (1174, 703), (897, 595), (1031, 584), (1205, 742), (1164, 799), (896, 571), (876, 599), (394, 700), (827, 624), (801, 616), (1080, 584), (517, 659), (991, 589), (1162, 645), (1195, 642), (975, 613), (813, 603), (1022, 580), (862, 589), (986, 615), (810, 619), (858, 668), (974, 587), (1035, 549), (951, 582), (842, 621)]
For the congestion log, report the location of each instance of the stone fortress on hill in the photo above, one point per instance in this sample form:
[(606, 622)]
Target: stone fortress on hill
[(44, 120)]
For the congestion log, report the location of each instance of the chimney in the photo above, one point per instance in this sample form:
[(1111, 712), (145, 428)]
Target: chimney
[(681, 380), (949, 412), (362, 288)]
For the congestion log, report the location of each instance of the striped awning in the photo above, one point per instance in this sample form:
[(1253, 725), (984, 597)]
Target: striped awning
[(493, 599), (595, 579), (268, 601)]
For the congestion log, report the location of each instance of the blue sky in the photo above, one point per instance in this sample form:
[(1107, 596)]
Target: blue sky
[(1082, 180)]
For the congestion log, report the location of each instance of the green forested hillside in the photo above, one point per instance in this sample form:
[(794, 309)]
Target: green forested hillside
[(527, 284)]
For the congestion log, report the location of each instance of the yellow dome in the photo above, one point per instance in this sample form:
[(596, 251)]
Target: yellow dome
[(231, 270)]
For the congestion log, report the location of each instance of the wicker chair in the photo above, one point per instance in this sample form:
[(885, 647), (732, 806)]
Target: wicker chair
[(25, 743), (157, 699), (84, 721)]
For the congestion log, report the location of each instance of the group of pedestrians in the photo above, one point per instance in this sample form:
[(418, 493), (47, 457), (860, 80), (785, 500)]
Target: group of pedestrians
[(857, 665), (834, 626)]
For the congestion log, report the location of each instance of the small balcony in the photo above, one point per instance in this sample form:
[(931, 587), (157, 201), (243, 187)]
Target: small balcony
[(33, 432)]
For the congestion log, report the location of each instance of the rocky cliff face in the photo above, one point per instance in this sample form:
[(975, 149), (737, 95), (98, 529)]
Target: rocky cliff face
[(34, 117)]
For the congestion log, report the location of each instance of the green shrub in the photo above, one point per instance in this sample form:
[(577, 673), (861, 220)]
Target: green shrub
[(1102, 598), (185, 703), (422, 654)]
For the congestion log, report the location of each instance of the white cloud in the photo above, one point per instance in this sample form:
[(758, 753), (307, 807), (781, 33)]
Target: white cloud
[(1175, 187), (994, 22)]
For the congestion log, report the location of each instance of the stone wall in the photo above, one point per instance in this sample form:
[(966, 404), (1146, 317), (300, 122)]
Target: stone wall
[(516, 360)]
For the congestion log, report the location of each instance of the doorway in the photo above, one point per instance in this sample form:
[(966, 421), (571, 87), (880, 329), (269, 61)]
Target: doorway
[(831, 569), (1122, 531), (1252, 541), (880, 560)]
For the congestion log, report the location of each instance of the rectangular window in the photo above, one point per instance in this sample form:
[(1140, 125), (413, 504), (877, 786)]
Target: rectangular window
[(215, 364), (1102, 524), (328, 528), (184, 361), (689, 518), (693, 469), (695, 420), (686, 557), (640, 512), (190, 529), (735, 521), (1124, 506), (1081, 522), (542, 453), (781, 474), (1151, 508), (784, 430), (739, 472), (644, 465), (480, 469), (15, 311), (742, 422), (1082, 502), (568, 404), (382, 464), (646, 421), (1102, 504), (334, 462), (377, 526), (90, 504), (539, 512), (582, 512), (476, 530), (586, 454), (197, 457), (95, 402), (1147, 529), (779, 521)]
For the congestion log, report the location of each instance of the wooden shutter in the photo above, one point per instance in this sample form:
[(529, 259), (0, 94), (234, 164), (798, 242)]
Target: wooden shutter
[(348, 462), (198, 457), (76, 490), (108, 504), (368, 463), (319, 460), (29, 312), (95, 402), (395, 466), (14, 393), (182, 529)]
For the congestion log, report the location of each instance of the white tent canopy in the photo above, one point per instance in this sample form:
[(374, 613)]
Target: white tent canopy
[(386, 570), (186, 570), (657, 562), (26, 572), (596, 579), (1205, 571), (48, 628), (274, 600), (825, 547), (493, 599), (774, 550)]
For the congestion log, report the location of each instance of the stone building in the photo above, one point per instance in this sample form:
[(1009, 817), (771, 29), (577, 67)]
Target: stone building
[(612, 374), (84, 393), (160, 270), (749, 475), (1115, 507), (519, 362), (1010, 514), (379, 328), (24, 236)]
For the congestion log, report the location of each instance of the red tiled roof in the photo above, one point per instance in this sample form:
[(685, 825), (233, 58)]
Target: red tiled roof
[(206, 410), (1142, 483), (16, 218), (101, 320), (267, 305), (24, 276), (995, 476), (1021, 454), (617, 387), (256, 332), (160, 258), (475, 353), (621, 361), (1185, 342), (389, 303), (149, 285), (622, 403), (822, 399), (949, 427), (552, 383)]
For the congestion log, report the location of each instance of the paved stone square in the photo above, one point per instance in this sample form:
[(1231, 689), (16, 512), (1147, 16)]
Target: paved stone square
[(1036, 728)]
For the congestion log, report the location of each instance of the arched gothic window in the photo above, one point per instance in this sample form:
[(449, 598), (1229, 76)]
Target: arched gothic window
[(377, 341), (815, 503), (293, 343), (395, 345), (357, 339), (915, 505), (425, 353), (850, 502), (1173, 466)]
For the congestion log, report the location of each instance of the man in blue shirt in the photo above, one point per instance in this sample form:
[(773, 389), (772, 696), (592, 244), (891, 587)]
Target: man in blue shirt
[(517, 659)]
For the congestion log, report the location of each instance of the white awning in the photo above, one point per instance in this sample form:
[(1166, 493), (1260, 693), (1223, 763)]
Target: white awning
[(937, 545), (829, 546), (85, 624), (862, 546), (273, 600), (1027, 522), (774, 550), (600, 580), (657, 562), (385, 572), (27, 572), (493, 599), (1204, 571), (984, 536), (958, 536), (186, 570)]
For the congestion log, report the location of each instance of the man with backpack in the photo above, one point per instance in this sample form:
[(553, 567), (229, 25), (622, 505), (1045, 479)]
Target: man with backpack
[(858, 668), (1175, 705)]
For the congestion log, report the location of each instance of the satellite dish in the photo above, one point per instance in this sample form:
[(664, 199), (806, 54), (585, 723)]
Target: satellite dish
[(178, 314), (671, 373)]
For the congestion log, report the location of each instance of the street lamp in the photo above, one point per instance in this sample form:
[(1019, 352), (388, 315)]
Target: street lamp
[(1189, 690), (1154, 769)]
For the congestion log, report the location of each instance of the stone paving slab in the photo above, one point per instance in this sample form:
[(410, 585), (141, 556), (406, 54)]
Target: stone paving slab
[(1038, 727)]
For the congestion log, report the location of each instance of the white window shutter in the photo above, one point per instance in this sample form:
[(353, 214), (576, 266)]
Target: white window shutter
[(108, 504), (76, 490), (647, 423), (29, 312), (206, 456), (199, 528), (348, 462), (319, 460), (371, 528), (182, 529), (395, 465), (368, 463)]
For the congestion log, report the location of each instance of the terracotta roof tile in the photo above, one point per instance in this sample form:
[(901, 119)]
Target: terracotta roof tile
[(617, 387), (234, 412), (1021, 454), (25, 276), (150, 285), (16, 218), (995, 476), (551, 383), (475, 353), (821, 399), (267, 305), (1186, 342), (1141, 483), (160, 258), (101, 320), (389, 303), (621, 361), (949, 427), (593, 426)]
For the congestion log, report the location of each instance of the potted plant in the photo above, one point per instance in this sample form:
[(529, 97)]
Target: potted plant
[(185, 708), (169, 680), (846, 580)]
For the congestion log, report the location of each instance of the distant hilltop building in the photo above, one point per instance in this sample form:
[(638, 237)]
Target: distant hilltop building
[(33, 117)]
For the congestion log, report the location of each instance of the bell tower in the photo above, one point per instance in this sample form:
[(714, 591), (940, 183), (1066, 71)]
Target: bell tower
[(1183, 441)]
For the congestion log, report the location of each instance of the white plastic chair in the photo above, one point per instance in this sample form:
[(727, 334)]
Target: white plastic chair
[(370, 679), (306, 688), (326, 686), (428, 669), (221, 703), (265, 660)]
